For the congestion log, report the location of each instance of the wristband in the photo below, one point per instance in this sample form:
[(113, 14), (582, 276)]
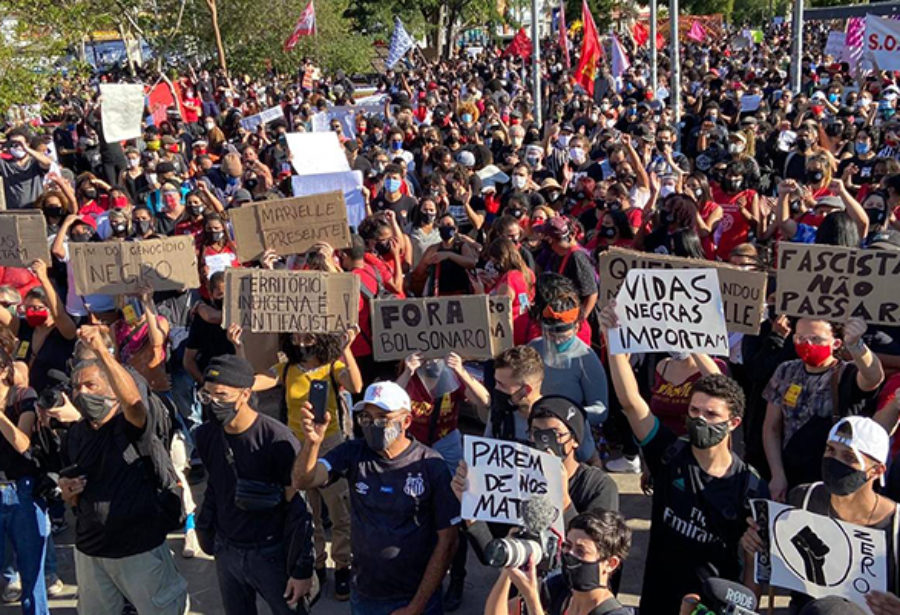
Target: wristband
[(858, 347)]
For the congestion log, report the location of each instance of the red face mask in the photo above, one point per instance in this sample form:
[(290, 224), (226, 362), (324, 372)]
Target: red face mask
[(173, 149), (120, 202), (36, 316), (813, 355)]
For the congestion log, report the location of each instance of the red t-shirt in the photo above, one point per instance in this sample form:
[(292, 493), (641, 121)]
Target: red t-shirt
[(733, 229), (425, 427), (191, 115), (362, 345), (522, 299), (386, 269)]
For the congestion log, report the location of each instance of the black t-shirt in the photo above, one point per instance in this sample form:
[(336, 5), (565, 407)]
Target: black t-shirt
[(592, 489), (208, 340), (697, 520), (402, 207), (865, 169), (166, 225), (265, 452), (397, 507), (556, 593), (12, 463), (54, 353), (578, 268), (117, 513)]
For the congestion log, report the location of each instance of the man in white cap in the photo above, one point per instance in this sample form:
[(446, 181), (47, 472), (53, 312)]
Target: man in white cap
[(856, 455), (401, 504)]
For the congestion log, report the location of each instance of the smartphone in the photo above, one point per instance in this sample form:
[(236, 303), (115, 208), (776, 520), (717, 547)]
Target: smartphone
[(129, 313), (73, 471), (318, 398)]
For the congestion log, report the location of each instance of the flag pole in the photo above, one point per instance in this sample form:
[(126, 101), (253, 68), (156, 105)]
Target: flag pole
[(654, 76), (675, 84), (536, 62)]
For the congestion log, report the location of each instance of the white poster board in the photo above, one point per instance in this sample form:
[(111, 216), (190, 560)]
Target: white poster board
[(672, 310), (880, 42), (251, 123), (348, 182), (503, 475), (316, 153), (121, 110), (821, 556), (835, 45)]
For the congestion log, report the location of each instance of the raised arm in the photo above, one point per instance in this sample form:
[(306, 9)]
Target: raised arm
[(61, 319), (120, 380)]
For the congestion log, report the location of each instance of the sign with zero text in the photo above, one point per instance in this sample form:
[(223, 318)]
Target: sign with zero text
[(433, 327), (117, 267), (834, 283), (743, 292), (504, 475), (265, 301), (290, 226)]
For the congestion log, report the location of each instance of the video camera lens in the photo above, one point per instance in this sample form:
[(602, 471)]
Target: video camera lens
[(512, 552)]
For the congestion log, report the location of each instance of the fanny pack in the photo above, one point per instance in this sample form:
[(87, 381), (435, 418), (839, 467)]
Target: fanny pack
[(252, 495)]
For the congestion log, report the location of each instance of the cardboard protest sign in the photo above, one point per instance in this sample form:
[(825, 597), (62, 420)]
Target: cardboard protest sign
[(112, 268), (290, 226), (743, 292), (23, 238), (252, 122), (314, 153), (121, 110), (432, 326), (264, 301), (836, 283), (501, 324), (821, 556), (674, 310), (350, 183), (503, 476)]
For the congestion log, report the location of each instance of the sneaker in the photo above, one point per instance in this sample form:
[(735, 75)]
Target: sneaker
[(54, 585), (342, 584), (12, 592), (191, 546), (58, 526), (624, 465), (453, 595)]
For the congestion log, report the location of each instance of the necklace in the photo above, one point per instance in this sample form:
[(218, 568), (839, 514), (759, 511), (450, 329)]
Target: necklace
[(872, 512)]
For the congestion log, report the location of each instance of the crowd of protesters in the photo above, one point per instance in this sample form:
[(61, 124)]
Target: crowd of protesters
[(131, 399)]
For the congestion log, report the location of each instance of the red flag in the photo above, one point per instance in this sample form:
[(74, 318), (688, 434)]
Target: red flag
[(306, 25), (520, 45), (660, 41), (590, 52), (159, 99), (697, 32), (563, 38), (640, 33)]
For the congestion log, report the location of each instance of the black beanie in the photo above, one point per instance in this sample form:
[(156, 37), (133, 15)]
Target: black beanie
[(230, 370)]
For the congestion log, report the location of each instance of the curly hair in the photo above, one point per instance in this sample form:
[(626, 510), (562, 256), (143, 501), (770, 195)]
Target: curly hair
[(327, 346), (724, 388), (608, 531)]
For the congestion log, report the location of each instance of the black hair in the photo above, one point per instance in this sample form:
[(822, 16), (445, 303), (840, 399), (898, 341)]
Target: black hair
[(724, 388), (608, 530), (838, 229)]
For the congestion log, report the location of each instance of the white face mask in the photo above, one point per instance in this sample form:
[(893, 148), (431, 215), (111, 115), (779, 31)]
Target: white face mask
[(518, 182), (666, 190), (577, 155), (133, 163), (17, 152), (563, 141), (735, 148)]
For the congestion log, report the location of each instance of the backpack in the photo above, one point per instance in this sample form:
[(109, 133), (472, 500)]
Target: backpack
[(381, 291)]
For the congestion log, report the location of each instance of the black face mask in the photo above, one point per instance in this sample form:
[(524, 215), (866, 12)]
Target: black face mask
[(802, 143), (545, 440), (53, 212), (795, 207), (609, 232), (218, 303), (664, 217), (81, 237), (90, 194), (732, 185), (93, 408), (581, 576), (119, 229), (876, 216), (447, 232), (222, 412), (300, 354), (251, 184), (814, 177), (705, 435), (841, 479), (217, 236), (197, 210), (383, 247)]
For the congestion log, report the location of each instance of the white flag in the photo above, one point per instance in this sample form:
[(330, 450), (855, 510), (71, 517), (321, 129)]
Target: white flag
[(882, 40)]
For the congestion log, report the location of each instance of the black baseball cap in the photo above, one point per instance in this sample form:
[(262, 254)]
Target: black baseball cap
[(562, 408)]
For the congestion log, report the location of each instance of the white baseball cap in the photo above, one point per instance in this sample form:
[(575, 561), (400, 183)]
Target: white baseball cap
[(389, 396), (862, 435)]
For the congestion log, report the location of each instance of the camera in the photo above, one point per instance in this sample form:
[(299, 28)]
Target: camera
[(723, 597), (51, 396), (514, 551), (536, 540)]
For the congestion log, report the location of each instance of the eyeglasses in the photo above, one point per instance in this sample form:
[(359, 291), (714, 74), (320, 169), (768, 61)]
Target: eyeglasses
[(365, 419), (205, 397), (815, 340)]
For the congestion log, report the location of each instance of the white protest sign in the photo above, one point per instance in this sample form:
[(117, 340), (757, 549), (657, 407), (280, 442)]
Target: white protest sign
[(750, 102), (348, 182), (346, 115), (677, 310), (821, 556), (503, 475), (315, 153), (882, 40), (251, 123), (121, 110), (835, 45)]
